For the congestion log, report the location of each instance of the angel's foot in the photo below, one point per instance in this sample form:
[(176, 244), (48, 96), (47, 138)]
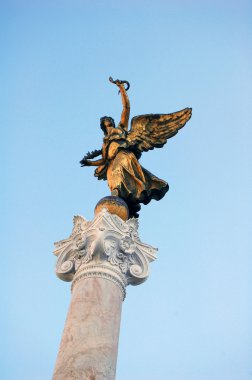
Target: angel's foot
[(115, 193)]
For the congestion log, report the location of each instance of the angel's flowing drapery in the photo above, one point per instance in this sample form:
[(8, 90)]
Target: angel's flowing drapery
[(125, 176), (134, 183)]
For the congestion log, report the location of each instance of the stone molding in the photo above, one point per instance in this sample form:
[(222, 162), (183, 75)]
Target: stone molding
[(101, 271), (106, 247)]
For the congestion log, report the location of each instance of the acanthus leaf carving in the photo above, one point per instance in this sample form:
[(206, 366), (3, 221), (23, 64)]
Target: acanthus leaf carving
[(106, 241)]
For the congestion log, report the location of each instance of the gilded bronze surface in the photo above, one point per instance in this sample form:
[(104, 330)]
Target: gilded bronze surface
[(114, 205), (122, 148)]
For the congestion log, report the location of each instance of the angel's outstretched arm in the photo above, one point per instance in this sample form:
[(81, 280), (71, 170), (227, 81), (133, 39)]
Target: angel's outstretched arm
[(126, 108), (86, 159), (93, 163), (125, 102)]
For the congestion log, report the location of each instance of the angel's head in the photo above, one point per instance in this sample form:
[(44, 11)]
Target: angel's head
[(107, 122)]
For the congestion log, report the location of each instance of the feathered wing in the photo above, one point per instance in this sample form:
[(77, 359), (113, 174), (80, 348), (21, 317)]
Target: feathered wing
[(152, 131)]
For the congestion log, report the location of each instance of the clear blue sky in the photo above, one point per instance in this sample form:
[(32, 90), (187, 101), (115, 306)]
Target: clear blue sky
[(192, 319)]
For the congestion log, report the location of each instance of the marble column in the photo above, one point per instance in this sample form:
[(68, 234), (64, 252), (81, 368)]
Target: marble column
[(101, 257)]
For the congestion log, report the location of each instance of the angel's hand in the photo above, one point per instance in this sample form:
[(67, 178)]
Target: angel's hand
[(117, 81), (120, 83), (85, 162)]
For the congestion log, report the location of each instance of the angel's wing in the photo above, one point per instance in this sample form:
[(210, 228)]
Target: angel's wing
[(152, 131)]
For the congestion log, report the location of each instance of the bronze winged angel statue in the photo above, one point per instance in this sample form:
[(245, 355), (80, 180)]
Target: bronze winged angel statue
[(122, 148)]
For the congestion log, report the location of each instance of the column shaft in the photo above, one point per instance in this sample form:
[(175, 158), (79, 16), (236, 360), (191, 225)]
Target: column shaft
[(88, 349)]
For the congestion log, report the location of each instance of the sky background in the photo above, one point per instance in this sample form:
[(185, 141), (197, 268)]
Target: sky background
[(192, 319)]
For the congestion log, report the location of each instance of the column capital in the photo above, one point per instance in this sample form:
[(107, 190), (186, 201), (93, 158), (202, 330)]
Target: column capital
[(106, 247)]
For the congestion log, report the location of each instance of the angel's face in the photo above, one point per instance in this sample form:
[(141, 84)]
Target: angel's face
[(107, 124)]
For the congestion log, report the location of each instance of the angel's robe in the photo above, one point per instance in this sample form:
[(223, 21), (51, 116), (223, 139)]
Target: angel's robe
[(123, 172)]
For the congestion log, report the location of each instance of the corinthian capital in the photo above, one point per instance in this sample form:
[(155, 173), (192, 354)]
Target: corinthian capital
[(105, 247)]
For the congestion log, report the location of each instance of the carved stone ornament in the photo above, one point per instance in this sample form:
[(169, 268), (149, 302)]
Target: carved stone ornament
[(106, 247)]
